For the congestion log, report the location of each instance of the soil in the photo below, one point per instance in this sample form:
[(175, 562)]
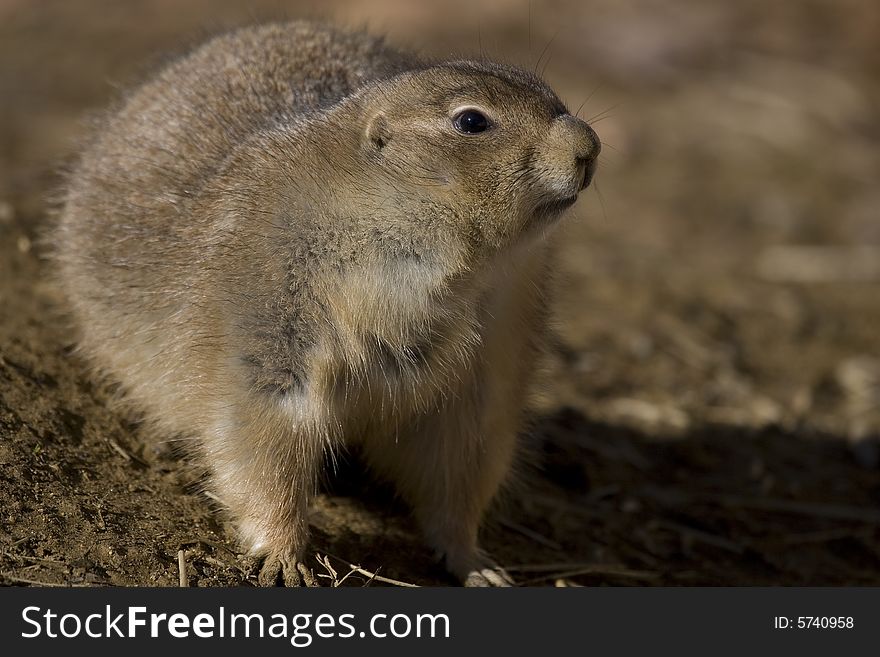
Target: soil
[(709, 411)]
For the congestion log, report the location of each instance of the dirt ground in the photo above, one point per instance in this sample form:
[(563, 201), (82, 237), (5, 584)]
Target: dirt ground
[(710, 409)]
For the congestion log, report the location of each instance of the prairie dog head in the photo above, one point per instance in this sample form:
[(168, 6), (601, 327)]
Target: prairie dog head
[(490, 150)]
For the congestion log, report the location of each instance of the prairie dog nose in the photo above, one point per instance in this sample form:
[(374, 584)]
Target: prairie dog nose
[(585, 144), (584, 141), (569, 155)]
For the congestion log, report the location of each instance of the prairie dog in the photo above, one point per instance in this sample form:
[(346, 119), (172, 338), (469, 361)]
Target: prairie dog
[(297, 238)]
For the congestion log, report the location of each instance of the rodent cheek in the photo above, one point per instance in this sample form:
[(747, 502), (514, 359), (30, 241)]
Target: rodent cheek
[(421, 163)]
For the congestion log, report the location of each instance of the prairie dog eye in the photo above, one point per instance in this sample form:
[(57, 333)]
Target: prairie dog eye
[(471, 122)]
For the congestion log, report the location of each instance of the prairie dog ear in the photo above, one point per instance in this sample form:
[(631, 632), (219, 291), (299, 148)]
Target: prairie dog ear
[(378, 131)]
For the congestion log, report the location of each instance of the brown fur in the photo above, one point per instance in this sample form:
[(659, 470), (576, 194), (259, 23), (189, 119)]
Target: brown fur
[(281, 244)]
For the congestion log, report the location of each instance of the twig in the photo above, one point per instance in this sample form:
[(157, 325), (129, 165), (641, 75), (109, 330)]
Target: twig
[(346, 576), (379, 578), (371, 575), (325, 562), (216, 562), (36, 582), (118, 448), (181, 567), (125, 454), (53, 562)]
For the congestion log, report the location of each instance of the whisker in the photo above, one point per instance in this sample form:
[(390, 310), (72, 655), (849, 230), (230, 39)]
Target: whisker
[(607, 162), (601, 201), (546, 48), (530, 27), (587, 99), (603, 112), (601, 118)]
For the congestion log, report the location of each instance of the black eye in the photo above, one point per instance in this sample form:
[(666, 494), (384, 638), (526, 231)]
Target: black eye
[(470, 122)]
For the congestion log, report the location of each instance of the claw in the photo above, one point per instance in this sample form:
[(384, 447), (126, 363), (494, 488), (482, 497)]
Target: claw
[(490, 575), (308, 577), (278, 571)]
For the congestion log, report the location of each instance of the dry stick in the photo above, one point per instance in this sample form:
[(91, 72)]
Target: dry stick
[(325, 562), (216, 562), (181, 567), (53, 562), (118, 448), (23, 580), (369, 581), (373, 576), (378, 578), (126, 455), (36, 582), (346, 576)]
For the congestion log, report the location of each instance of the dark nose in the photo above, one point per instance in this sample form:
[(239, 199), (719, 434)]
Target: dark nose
[(581, 138), (586, 149), (586, 142), (588, 164)]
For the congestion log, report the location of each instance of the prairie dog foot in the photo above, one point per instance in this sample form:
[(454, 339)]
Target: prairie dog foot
[(488, 575), (282, 571), (479, 571)]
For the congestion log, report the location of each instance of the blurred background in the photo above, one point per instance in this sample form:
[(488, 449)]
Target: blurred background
[(709, 411)]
